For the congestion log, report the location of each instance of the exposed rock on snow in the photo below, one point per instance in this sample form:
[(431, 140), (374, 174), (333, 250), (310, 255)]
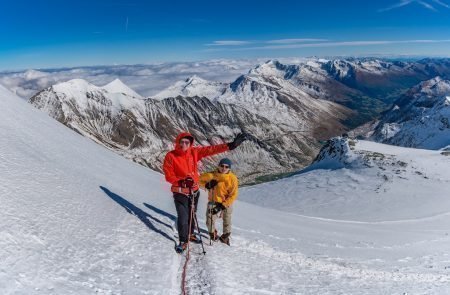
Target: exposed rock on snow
[(336, 153)]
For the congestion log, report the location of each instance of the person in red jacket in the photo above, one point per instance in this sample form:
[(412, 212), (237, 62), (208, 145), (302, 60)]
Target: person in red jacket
[(181, 171)]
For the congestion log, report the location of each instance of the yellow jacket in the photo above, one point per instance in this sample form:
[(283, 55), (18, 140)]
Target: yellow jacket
[(225, 191)]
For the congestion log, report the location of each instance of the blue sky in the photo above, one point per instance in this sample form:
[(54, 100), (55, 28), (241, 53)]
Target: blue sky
[(49, 33)]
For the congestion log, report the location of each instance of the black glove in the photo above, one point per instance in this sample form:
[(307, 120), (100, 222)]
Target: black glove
[(217, 208), (240, 138), (188, 182), (211, 184)]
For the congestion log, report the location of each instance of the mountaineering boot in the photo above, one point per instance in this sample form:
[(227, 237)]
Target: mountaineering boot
[(193, 238), (181, 247), (225, 238)]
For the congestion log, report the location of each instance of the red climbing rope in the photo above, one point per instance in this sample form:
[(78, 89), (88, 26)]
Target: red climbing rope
[(183, 275)]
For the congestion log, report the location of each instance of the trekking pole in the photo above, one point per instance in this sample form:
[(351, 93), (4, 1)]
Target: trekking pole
[(194, 218), (210, 207), (199, 233), (211, 222), (190, 226)]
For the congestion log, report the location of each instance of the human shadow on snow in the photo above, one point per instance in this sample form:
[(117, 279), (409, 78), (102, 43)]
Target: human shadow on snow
[(162, 212), (141, 214), (171, 217)]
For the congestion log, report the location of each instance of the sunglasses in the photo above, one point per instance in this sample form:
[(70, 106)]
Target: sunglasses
[(224, 166), (185, 142)]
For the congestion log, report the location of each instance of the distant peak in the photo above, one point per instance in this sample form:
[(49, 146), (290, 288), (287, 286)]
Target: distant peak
[(117, 86), (272, 62), (116, 82), (76, 81), (432, 83), (195, 79), (270, 67), (73, 84), (192, 86)]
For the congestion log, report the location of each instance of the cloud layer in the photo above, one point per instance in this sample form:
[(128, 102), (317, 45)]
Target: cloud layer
[(430, 5), (144, 79)]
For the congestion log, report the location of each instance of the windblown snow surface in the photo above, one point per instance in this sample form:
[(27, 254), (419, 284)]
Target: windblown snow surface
[(79, 219)]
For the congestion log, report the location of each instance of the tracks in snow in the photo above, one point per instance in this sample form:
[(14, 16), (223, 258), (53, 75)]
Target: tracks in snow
[(250, 264)]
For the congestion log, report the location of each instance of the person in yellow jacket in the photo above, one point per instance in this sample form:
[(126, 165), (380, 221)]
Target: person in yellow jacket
[(222, 186)]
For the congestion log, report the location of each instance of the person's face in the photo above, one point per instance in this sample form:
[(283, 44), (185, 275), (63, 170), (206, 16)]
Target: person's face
[(224, 168), (185, 144)]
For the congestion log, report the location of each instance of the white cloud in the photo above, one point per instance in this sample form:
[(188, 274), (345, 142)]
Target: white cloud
[(423, 3), (291, 41), (441, 3), (144, 79), (426, 5), (228, 43), (397, 5)]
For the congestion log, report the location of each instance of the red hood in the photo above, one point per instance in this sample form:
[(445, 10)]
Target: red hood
[(180, 136)]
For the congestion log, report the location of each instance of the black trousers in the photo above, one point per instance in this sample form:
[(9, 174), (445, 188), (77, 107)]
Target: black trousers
[(183, 206)]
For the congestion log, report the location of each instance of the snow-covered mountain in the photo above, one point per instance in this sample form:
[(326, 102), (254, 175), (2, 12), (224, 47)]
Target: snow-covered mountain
[(301, 96), (421, 118), (288, 108), (342, 92), (117, 86), (78, 219), (144, 130), (298, 95), (382, 78), (193, 86), (267, 90)]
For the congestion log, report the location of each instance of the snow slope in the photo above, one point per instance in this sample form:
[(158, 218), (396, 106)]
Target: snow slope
[(379, 224), (372, 182), (79, 219), (60, 232)]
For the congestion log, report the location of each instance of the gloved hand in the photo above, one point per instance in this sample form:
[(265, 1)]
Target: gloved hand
[(188, 182), (217, 208), (240, 138), (211, 184)]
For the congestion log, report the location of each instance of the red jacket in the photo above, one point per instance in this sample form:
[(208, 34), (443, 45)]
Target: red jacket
[(179, 164)]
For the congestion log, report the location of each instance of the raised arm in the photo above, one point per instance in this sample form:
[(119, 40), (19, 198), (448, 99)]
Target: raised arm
[(220, 148), (206, 151)]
